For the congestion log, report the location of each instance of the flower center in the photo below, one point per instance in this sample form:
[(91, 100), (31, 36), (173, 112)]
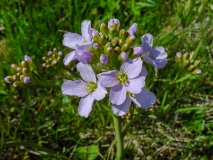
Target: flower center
[(91, 86), (84, 41), (150, 56), (122, 78)]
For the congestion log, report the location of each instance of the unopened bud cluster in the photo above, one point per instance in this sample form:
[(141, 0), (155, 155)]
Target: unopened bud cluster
[(23, 72), (187, 61), (52, 58), (112, 42)]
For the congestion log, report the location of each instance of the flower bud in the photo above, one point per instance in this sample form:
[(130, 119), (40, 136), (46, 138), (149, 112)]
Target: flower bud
[(26, 80), (27, 59), (178, 57), (96, 38), (120, 42), (108, 50), (191, 68), (23, 64), (112, 32), (114, 42), (54, 62), (123, 56), (102, 40), (14, 67), (44, 65), (104, 59), (19, 69), (137, 51), (104, 29), (49, 53), (185, 63), (25, 71), (191, 55), (196, 63), (132, 29), (117, 49), (9, 79), (113, 23), (197, 71), (54, 50), (123, 34), (21, 78), (60, 53), (15, 77), (185, 56), (17, 84), (130, 40), (125, 48)]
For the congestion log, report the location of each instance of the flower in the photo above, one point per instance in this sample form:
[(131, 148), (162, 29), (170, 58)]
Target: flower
[(128, 79), (132, 29), (113, 22), (89, 89), (143, 100), (154, 56), (76, 41)]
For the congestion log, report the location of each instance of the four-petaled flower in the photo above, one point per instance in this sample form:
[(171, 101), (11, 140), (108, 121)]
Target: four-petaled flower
[(89, 89), (154, 56)]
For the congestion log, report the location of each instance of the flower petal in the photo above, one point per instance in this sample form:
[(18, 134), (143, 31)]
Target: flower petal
[(144, 99), (83, 56), (74, 88), (86, 30), (132, 67), (120, 110), (133, 29), (108, 79), (69, 57), (117, 94), (147, 42), (135, 85), (86, 72), (160, 63), (72, 39), (85, 105), (100, 92), (158, 52)]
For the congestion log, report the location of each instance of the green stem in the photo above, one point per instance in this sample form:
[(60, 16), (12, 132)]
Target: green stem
[(119, 137)]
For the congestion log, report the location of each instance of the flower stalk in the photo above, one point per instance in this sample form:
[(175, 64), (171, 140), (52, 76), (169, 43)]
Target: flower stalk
[(118, 136)]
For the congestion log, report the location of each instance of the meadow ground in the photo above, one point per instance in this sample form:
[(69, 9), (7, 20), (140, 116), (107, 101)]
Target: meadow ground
[(38, 122)]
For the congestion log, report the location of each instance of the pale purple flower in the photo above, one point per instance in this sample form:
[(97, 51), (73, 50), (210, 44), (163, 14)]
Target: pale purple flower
[(83, 56), (124, 56), (104, 59), (76, 41), (89, 89), (154, 56), (128, 79), (145, 99), (137, 51), (113, 21), (26, 80), (132, 30)]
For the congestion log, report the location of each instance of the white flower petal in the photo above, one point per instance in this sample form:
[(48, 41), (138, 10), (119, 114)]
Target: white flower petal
[(145, 99), (117, 94), (100, 92), (132, 67), (108, 79), (86, 30), (135, 85), (69, 57), (72, 39), (74, 88), (85, 105), (86, 72), (120, 110)]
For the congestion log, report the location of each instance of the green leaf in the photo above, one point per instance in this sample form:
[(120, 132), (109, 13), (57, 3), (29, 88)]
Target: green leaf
[(88, 153), (152, 116)]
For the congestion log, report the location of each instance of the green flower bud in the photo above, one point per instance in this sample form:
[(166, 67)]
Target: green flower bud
[(17, 84), (114, 42), (123, 34), (104, 29), (112, 32), (196, 63), (14, 67), (117, 49), (186, 63), (185, 56), (22, 78), (54, 50), (130, 40), (108, 50), (25, 72), (125, 48), (197, 71), (120, 42), (19, 69), (102, 40), (96, 38), (15, 77), (191, 55), (191, 68), (178, 57), (23, 64), (44, 58), (9, 79)]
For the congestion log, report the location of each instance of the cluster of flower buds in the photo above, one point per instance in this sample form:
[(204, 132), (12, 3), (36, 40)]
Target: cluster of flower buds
[(52, 58), (23, 72), (187, 61)]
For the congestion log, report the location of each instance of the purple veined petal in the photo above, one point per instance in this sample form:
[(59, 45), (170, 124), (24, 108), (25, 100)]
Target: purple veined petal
[(132, 29), (83, 56), (100, 92), (117, 94), (120, 110), (104, 59), (72, 39), (143, 73), (69, 57), (147, 42), (86, 30), (84, 46), (132, 67), (160, 63), (148, 60), (145, 99), (74, 88), (135, 85), (85, 105), (27, 59), (108, 79), (158, 52), (86, 72)]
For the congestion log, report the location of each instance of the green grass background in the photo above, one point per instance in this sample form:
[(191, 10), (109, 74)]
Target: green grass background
[(178, 126)]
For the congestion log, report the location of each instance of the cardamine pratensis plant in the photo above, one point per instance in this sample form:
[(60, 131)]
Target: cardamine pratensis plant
[(110, 62)]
